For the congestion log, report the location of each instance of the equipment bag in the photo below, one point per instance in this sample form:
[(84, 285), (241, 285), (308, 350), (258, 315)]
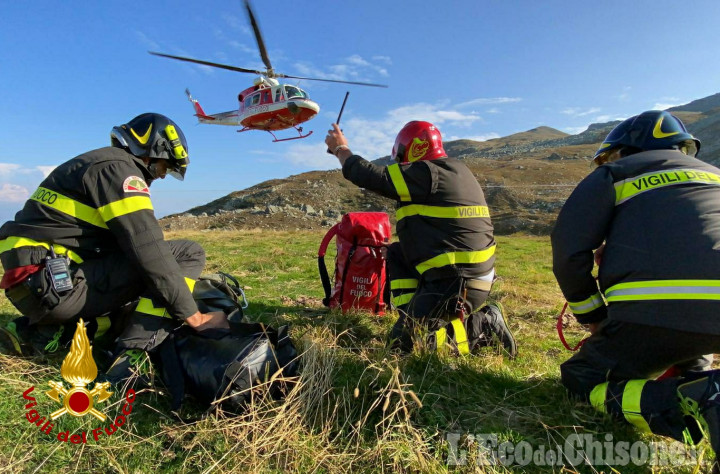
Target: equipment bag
[(215, 365), (230, 368), (359, 280)]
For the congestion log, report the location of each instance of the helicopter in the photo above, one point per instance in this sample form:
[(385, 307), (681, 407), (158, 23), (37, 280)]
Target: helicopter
[(268, 104)]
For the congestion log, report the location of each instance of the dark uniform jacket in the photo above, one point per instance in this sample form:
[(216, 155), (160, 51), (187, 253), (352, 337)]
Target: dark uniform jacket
[(659, 213), (94, 204), (443, 221)]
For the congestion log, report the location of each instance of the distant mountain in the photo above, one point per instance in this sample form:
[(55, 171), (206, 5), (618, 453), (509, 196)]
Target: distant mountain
[(526, 176)]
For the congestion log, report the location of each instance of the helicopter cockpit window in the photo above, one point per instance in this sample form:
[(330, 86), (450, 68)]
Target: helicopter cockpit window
[(252, 100), (293, 92), (278, 94)]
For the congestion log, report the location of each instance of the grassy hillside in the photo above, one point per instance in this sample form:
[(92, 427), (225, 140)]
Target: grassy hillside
[(357, 407)]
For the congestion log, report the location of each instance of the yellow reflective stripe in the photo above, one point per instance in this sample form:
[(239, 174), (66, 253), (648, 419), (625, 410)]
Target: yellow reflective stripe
[(585, 306), (399, 182), (142, 139), (460, 336), (631, 187), (631, 404), (459, 212), (104, 324), (440, 339), (125, 206), (401, 299), (455, 258), (403, 283), (145, 306), (68, 206), (16, 242), (597, 397), (664, 290)]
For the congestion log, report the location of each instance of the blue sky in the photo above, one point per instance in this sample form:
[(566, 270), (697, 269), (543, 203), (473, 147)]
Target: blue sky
[(70, 71)]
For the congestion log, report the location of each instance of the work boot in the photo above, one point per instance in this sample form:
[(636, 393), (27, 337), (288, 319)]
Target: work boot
[(495, 329), (131, 368), (700, 403), (20, 339), (400, 337)]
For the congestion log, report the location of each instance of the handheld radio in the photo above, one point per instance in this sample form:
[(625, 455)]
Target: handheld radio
[(59, 271)]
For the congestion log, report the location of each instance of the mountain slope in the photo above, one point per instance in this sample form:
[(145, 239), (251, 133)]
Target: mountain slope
[(526, 176)]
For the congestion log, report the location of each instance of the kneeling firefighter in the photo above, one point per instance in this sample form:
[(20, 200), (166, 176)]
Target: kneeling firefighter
[(87, 242), (442, 269), (656, 301)]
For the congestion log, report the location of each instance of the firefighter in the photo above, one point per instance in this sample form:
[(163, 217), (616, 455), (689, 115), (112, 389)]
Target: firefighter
[(442, 268), (93, 213), (656, 303)]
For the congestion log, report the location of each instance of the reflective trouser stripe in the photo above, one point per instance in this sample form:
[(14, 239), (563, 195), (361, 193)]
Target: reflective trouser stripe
[(664, 290), (440, 339), (401, 299), (454, 258), (597, 397), (145, 305), (631, 187), (631, 404), (459, 212), (460, 334), (104, 324), (97, 217), (17, 242), (403, 283), (399, 182), (585, 306)]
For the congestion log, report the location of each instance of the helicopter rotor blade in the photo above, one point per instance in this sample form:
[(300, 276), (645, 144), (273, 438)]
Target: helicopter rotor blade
[(259, 39), (208, 63), (370, 84)]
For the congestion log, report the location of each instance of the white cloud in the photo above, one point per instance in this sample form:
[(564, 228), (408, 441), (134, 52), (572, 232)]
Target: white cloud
[(578, 112), (666, 105), (352, 68), (13, 193), (490, 100), (477, 138), (8, 169), (574, 130), (374, 138), (45, 170)]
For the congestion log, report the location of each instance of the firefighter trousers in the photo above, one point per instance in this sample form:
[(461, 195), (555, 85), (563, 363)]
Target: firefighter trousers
[(106, 284), (428, 304), (615, 371)]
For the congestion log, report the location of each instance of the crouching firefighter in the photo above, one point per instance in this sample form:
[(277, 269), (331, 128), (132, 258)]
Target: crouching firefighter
[(87, 242), (657, 300), (442, 269)]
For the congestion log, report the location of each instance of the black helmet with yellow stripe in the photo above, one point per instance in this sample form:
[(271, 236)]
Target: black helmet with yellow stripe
[(651, 130), (154, 136)]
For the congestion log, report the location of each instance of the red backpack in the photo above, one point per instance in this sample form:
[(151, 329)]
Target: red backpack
[(359, 265)]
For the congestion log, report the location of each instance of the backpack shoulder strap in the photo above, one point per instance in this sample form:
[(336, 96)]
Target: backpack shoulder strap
[(324, 277)]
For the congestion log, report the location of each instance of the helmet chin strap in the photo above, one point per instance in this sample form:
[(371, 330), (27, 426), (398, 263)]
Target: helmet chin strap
[(152, 168)]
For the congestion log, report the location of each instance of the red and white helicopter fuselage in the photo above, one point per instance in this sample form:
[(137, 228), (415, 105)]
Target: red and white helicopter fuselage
[(267, 105)]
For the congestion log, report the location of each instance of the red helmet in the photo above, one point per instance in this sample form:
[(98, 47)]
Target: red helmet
[(418, 141)]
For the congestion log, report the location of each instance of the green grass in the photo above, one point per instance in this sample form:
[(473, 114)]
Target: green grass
[(357, 407)]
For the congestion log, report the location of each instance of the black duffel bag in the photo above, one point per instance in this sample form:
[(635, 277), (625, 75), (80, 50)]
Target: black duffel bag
[(226, 367)]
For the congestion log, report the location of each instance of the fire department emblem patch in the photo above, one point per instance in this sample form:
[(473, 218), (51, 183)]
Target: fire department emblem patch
[(134, 184)]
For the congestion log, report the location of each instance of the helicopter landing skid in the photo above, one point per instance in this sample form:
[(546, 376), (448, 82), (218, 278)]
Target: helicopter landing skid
[(276, 139)]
